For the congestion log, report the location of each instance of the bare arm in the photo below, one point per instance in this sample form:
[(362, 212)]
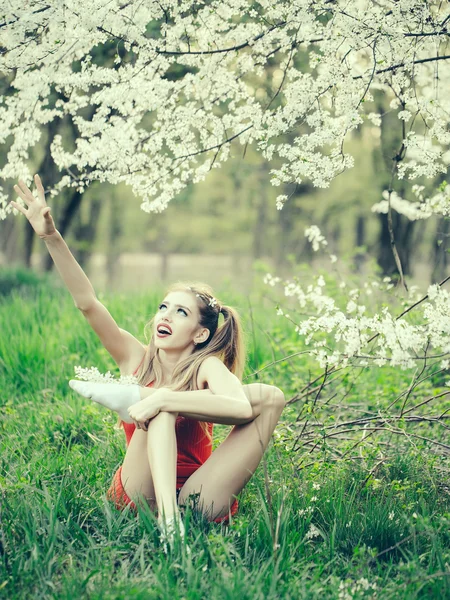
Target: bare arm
[(123, 347), (71, 273), (201, 405), (224, 402)]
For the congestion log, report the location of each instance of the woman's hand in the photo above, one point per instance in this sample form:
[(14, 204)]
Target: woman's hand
[(38, 213), (147, 409)]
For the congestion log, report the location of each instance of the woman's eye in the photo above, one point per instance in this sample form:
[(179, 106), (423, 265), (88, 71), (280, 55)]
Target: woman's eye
[(183, 311), (161, 306)]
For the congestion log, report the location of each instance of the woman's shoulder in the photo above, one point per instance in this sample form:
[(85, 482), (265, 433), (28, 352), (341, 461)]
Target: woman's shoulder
[(208, 365)]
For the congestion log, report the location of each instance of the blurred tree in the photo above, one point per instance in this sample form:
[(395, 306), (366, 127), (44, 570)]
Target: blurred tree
[(440, 250), (386, 157), (84, 228), (114, 237)]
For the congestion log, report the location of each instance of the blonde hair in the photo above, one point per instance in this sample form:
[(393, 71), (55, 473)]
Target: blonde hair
[(224, 341)]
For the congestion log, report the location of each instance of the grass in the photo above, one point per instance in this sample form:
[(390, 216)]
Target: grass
[(376, 527)]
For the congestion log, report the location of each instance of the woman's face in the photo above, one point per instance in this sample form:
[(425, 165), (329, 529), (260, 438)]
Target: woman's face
[(176, 323)]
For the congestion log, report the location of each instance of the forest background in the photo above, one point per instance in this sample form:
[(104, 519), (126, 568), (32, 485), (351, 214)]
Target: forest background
[(229, 224)]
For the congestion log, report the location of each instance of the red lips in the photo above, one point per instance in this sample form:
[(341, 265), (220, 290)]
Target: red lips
[(163, 328)]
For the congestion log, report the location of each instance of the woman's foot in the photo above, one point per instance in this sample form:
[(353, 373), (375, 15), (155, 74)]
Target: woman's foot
[(170, 529), (115, 396)]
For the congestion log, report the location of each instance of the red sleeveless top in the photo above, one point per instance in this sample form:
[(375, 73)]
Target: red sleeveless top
[(193, 445)]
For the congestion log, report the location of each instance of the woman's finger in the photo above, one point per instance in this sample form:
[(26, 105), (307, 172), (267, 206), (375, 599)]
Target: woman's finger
[(23, 191), (19, 207), (40, 187), (19, 192)]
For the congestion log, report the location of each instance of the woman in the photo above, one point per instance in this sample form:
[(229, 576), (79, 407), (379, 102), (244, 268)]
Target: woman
[(189, 378)]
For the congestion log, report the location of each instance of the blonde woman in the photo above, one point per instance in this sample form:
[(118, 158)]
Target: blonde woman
[(189, 377)]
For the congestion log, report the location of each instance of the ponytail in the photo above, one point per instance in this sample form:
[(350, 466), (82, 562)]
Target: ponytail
[(227, 342)]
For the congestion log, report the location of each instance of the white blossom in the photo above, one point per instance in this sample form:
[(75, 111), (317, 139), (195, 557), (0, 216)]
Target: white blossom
[(157, 91), (411, 210), (336, 335), (374, 118), (314, 236), (94, 375), (270, 280), (313, 532), (281, 201)]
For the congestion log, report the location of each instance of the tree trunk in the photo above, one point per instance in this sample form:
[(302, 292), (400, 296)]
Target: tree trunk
[(259, 232), (403, 230), (28, 245), (114, 249), (69, 212), (360, 240), (47, 172), (440, 250), (8, 237), (292, 241), (385, 258), (163, 250), (85, 232)]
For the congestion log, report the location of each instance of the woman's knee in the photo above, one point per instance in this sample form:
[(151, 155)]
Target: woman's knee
[(165, 416), (264, 397), (273, 397)]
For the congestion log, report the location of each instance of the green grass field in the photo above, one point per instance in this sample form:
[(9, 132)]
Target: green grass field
[(319, 520)]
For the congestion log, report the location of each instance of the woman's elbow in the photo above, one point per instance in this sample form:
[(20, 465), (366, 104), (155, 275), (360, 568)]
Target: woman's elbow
[(247, 410)]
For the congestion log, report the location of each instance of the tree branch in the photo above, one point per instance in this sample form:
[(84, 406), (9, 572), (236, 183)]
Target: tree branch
[(415, 62)]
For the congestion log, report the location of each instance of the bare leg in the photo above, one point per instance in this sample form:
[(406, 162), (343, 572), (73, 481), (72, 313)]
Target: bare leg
[(226, 472), (162, 459), (147, 454), (136, 475)]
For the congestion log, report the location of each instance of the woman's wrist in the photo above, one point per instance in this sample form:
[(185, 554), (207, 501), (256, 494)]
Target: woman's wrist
[(145, 392), (52, 237), (159, 399)]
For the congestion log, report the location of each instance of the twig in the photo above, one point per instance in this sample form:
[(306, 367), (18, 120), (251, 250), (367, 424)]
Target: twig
[(426, 401), (416, 377), (275, 362)]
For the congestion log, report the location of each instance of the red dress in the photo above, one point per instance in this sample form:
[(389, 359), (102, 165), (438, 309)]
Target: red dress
[(193, 449)]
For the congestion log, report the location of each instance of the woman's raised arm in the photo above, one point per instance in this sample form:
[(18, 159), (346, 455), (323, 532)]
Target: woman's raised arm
[(124, 348)]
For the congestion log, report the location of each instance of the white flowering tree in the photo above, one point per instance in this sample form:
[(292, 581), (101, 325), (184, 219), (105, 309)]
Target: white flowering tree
[(156, 92)]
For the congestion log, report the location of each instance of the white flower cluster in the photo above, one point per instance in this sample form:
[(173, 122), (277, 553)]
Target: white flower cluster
[(313, 532), (156, 91), (314, 236), (412, 210), (338, 335), (94, 375), (270, 280), (318, 241), (349, 589)]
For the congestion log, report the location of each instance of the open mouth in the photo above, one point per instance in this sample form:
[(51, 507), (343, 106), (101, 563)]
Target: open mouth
[(163, 331)]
